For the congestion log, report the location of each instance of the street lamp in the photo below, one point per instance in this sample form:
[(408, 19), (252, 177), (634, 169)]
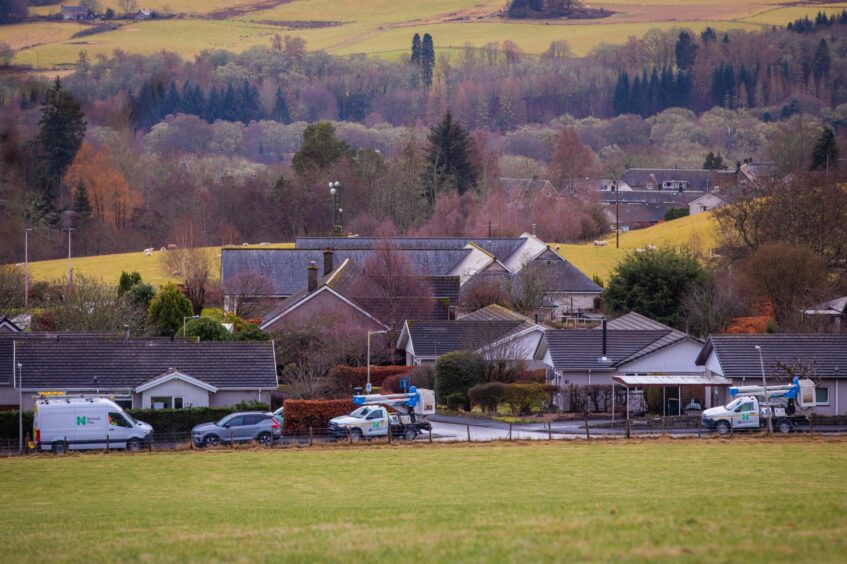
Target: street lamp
[(335, 192), (368, 386), (765, 386), (616, 188), (183, 323), (20, 409), (70, 279), (26, 267)]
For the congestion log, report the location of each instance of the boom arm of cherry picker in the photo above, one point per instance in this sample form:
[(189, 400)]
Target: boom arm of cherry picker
[(419, 401), (802, 391)]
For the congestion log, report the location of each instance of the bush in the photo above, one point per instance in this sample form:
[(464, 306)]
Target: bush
[(457, 372), (252, 405), (343, 379), (168, 309), (420, 377), (458, 401), (302, 414), (488, 396), (526, 398), (179, 420), (206, 329), (9, 424), (675, 213)]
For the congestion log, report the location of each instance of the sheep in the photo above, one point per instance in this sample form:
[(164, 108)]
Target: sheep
[(651, 247), (639, 251), (163, 249), (148, 253), (264, 244), (245, 244), (601, 243), (171, 246)]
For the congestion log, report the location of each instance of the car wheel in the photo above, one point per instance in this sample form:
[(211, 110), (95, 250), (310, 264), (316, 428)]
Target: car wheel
[(211, 441), (785, 427), (724, 427), (133, 445), (356, 434), (410, 435), (59, 447), (264, 439)]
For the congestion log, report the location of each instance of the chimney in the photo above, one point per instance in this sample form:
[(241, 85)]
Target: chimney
[(312, 270), (536, 319), (327, 261), (604, 359)]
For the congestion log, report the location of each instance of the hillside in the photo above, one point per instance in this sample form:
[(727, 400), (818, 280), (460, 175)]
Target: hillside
[(377, 27), (696, 230)]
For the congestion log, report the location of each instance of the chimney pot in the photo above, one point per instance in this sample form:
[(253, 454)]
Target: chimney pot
[(328, 266), (312, 278)]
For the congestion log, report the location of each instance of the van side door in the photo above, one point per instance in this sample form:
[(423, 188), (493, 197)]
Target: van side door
[(377, 423), (118, 429), (89, 426), (746, 415)]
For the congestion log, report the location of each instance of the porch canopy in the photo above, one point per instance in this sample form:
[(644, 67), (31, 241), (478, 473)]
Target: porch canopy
[(670, 380), (665, 381)]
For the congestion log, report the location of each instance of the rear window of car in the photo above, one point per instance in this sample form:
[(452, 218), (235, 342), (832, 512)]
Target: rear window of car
[(253, 419)]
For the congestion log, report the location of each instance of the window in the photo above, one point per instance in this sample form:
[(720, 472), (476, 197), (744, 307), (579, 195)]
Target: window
[(822, 396), (235, 422), (252, 419), (118, 420), (746, 407), (166, 402), (375, 415)]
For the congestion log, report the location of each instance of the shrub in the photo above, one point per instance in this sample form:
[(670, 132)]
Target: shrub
[(252, 405), (166, 421), (488, 396), (526, 398), (458, 401), (9, 424), (302, 414), (457, 372), (168, 309), (206, 329), (343, 379), (420, 377)]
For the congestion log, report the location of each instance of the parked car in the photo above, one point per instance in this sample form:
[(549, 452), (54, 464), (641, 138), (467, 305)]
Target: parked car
[(80, 423), (238, 427)]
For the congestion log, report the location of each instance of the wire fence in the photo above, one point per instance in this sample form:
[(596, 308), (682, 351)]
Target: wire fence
[(443, 432)]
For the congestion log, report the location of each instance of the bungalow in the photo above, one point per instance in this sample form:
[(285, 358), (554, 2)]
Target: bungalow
[(820, 357), (580, 360), (139, 373), (72, 13), (706, 202), (494, 331), (831, 315)]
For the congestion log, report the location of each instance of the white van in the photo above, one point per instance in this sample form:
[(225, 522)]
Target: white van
[(85, 423)]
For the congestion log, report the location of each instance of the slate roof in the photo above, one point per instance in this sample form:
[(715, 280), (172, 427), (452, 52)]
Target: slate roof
[(633, 321), (500, 247), (666, 197), (494, 312), (580, 349), (698, 179), (287, 267), (7, 351), (68, 364), (822, 353), (434, 338), (564, 277)]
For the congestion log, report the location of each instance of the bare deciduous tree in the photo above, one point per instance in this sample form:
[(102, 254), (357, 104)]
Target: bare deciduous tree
[(127, 6), (191, 266), (711, 305), (11, 288), (246, 294), (89, 305)]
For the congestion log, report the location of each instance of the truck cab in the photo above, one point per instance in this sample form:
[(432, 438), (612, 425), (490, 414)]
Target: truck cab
[(364, 422)]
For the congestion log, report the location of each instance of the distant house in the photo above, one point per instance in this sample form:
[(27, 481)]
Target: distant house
[(642, 208), (677, 179), (8, 326), (72, 13), (706, 202), (821, 357), (635, 216), (144, 14), (831, 315), (138, 373), (494, 331), (580, 360)]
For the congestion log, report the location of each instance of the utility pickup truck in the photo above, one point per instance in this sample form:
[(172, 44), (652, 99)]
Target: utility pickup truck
[(788, 406), (373, 419)]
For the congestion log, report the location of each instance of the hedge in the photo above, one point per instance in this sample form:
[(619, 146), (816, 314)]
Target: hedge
[(165, 421), (9, 424), (302, 414)]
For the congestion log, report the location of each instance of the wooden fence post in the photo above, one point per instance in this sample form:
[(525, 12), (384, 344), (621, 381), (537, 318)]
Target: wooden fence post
[(107, 443), (389, 434), (469, 432), (587, 429), (549, 430), (699, 427), (510, 431), (430, 434), (66, 445), (350, 437), (310, 435), (26, 444), (628, 429)]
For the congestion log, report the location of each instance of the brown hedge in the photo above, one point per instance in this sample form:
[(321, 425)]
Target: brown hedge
[(302, 414), (343, 379)]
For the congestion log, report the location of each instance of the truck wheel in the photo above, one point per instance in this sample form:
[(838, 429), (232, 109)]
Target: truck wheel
[(211, 441), (356, 434), (410, 434), (785, 426), (264, 439), (133, 445), (723, 427), (59, 447)]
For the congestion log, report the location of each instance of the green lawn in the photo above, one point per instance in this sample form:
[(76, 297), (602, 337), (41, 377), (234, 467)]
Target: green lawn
[(740, 500)]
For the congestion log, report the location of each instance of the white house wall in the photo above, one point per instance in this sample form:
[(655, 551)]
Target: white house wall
[(228, 398), (676, 359), (191, 395)]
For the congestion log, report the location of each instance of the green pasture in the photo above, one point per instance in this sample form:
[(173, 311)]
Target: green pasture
[(741, 500)]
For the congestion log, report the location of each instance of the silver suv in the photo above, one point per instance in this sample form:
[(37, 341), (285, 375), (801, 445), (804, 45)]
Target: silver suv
[(238, 427)]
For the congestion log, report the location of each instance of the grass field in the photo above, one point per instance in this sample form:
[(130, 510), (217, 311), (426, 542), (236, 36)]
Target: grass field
[(716, 501), (384, 27), (696, 231)]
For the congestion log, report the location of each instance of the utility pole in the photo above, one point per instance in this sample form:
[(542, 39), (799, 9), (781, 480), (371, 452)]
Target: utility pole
[(616, 188), (765, 386), (20, 408), (26, 267), (70, 271)]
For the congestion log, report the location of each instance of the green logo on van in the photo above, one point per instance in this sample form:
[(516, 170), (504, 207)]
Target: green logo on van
[(80, 420)]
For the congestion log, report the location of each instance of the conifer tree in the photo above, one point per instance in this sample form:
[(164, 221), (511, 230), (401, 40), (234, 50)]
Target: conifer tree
[(449, 159), (427, 60), (281, 112), (825, 153), (620, 100), (415, 57), (82, 205)]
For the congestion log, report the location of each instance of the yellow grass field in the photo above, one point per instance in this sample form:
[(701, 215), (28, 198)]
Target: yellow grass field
[(383, 27), (696, 231)]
